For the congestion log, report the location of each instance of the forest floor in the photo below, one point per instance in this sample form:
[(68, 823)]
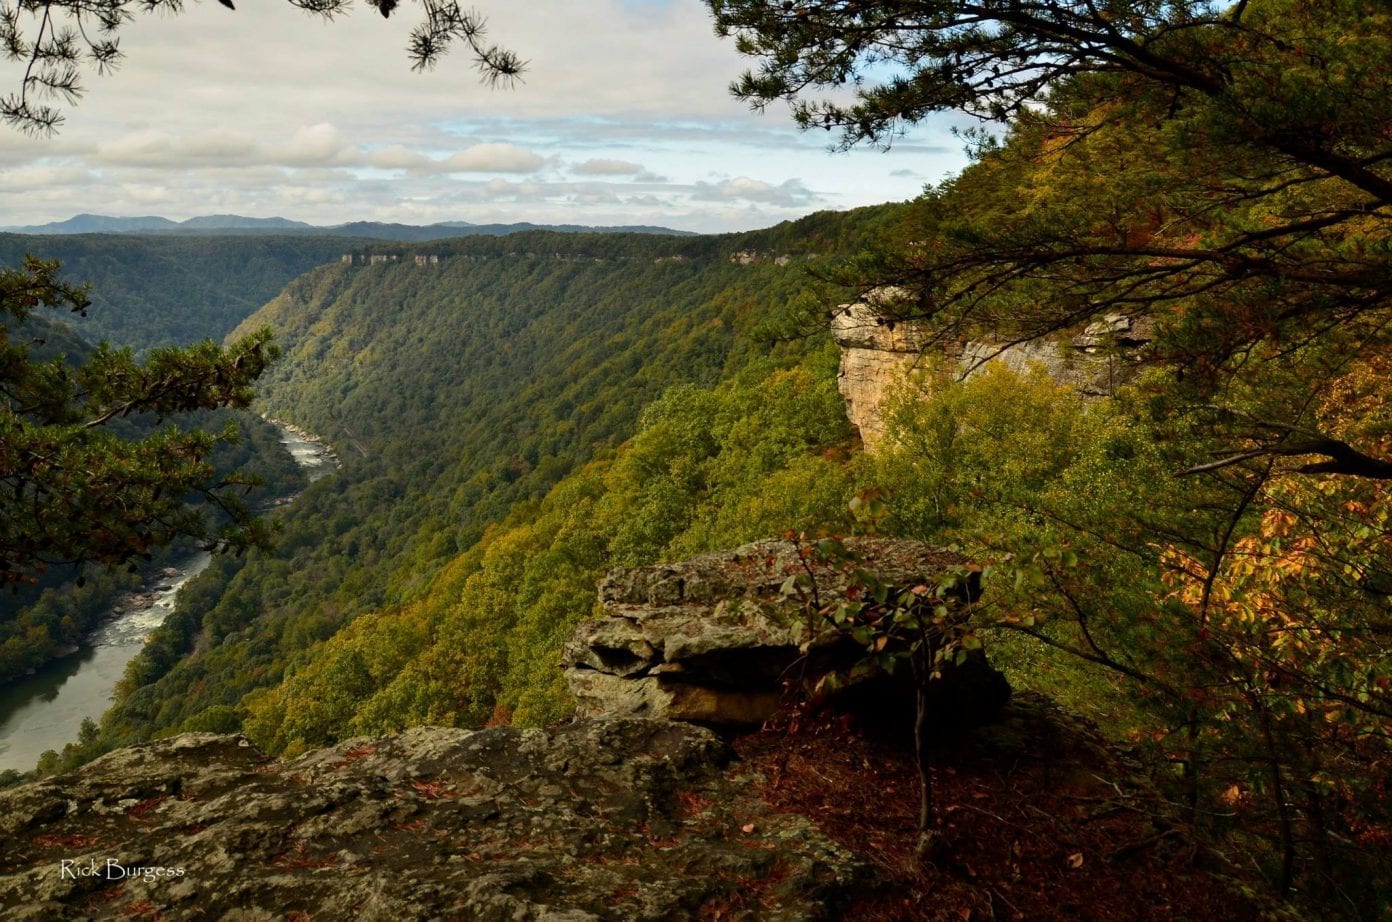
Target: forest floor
[(1042, 820)]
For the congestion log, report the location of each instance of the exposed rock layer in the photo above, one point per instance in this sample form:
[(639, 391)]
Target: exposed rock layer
[(618, 819), (711, 639), (878, 355)]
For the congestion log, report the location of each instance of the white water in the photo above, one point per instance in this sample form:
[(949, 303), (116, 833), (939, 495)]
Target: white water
[(45, 710)]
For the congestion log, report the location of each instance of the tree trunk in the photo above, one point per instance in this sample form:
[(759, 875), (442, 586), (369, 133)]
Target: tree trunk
[(928, 837)]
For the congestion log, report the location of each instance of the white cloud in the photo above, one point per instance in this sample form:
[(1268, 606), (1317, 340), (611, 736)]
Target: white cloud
[(503, 190), (310, 146), (597, 197), (218, 144), (24, 180), (268, 111), (605, 167), (139, 147), (299, 195), (146, 194), (493, 158), (789, 193), (397, 157), (218, 147)]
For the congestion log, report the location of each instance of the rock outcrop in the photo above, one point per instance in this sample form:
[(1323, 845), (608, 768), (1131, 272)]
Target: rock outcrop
[(876, 358), (713, 638), (616, 819), (878, 355)]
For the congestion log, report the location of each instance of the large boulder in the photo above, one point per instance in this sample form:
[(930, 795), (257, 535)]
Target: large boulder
[(618, 819), (713, 639)]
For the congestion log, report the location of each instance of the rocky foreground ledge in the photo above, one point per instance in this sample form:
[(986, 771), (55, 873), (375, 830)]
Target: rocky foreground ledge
[(612, 819)]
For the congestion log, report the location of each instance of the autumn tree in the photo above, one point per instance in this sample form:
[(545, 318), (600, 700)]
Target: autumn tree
[(1226, 170), (73, 491)]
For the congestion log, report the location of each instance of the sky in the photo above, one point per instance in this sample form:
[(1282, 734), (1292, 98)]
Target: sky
[(623, 117)]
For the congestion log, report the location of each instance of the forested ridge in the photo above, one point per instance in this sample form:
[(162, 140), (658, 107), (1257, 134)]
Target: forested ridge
[(535, 410), (57, 613), (166, 291), (454, 394), (56, 609), (145, 293)]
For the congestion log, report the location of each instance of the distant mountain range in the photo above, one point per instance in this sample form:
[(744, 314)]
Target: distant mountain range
[(222, 224)]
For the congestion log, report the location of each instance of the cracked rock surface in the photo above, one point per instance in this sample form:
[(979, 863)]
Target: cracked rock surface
[(613, 819)]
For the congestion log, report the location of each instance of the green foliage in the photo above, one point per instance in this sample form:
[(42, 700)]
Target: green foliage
[(1224, 624), (47, 364), (992, 441), (458, 396), (755, 444), (1215, 167), (1218, 169), (76, 491), (64, 604)]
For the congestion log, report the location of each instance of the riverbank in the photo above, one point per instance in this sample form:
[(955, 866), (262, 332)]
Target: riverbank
[(314, 455), (46, 710)]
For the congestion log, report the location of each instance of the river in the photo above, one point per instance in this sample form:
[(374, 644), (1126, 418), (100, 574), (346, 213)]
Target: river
[(45, 710)]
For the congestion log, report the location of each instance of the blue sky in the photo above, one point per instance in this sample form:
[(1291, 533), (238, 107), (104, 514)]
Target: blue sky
[(623, 118)]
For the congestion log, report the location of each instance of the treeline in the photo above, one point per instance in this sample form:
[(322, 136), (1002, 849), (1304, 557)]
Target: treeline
[(170, 291), (709, 468), (53, 614), (824, 234), (513, 426)]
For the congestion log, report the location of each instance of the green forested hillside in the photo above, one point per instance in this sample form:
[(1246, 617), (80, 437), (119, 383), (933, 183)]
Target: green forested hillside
[(455, 392), (534, 410), (709, 468), (168, 291), (56, 613)]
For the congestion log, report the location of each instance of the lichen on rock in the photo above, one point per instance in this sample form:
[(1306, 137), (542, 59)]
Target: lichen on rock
[(615, 819)]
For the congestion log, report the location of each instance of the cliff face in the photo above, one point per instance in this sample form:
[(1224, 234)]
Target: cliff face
[(877, 357)]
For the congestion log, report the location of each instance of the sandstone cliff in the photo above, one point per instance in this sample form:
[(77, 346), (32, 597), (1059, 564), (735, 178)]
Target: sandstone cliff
[(878, 355), (712, 639), (616, 818)]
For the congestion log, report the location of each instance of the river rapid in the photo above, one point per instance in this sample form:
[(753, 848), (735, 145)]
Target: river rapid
[(45, 710)]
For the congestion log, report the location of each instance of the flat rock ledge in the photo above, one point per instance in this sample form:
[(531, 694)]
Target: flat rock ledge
[(711, 639), (615, 819)]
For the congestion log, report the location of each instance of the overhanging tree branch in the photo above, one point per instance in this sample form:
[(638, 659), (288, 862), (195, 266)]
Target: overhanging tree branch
[(1285, 440), (51, 37)]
